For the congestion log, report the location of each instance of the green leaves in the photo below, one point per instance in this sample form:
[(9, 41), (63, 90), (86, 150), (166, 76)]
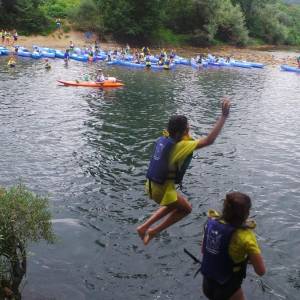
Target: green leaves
[(157, 21), (24, 217)]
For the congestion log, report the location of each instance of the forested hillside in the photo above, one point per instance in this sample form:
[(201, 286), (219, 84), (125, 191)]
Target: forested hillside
[(194, 22)]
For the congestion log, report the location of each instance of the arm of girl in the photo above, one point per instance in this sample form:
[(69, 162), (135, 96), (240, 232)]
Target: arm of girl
[(258, 264)]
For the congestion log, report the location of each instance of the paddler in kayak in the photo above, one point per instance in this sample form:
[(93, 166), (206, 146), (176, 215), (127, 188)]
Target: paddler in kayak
[(166, 64), (148, 62), (171, 157), (228, 244), (100, 76), (298, 61)]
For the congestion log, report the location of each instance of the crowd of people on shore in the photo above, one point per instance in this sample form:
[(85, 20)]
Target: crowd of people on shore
[(9, 38), (139, 55)]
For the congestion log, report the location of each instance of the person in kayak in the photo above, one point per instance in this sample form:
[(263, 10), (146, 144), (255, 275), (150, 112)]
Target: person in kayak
[(228, 244), (171, 156), (148, 62), (90, 56), (166, 64), (100, 76), (71, 47), (298, 61), (160, 61)]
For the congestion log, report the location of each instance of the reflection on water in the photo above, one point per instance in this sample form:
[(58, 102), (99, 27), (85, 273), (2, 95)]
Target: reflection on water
[(90, 148)]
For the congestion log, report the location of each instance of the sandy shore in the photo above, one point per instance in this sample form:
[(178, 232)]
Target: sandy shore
[(266, 55)]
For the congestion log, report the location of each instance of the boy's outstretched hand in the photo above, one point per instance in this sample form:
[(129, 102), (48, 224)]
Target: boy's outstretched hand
[(225, 107)]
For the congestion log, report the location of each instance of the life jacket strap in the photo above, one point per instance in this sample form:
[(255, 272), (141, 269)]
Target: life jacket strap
[(150, 188)]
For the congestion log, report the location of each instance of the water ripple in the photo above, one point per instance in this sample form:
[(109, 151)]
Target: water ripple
[(89, 151)]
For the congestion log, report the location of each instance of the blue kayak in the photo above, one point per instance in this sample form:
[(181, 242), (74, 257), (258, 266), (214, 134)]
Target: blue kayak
[(220, 64), (196, 65), (255, 64), (36, 55), (290, 68), (4, 51), (23, 52), (240, 64), (59, 54), (141, 66), (79, 57), (182, 61), (48, 54)]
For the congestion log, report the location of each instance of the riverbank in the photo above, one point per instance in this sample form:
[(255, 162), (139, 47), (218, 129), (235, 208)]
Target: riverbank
[(268, 55)]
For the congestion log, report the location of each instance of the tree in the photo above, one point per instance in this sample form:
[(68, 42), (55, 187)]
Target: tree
[(24, 218), (24, 15), (87, 16), (131, 19)]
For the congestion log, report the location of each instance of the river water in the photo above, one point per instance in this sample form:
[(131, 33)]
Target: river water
[(88, 150)]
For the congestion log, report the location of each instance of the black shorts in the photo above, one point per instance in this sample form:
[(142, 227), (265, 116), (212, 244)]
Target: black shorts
[(216, 291)]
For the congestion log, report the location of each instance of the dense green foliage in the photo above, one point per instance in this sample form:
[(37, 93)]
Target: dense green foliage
[(197, 22), (25, 15), (24, 217), (58, 8)]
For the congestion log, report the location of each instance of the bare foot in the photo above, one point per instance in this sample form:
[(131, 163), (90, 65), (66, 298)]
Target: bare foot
[(141, 232), (150, 234)]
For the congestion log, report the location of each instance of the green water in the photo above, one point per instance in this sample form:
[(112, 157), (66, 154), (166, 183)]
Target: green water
[(89, 149)]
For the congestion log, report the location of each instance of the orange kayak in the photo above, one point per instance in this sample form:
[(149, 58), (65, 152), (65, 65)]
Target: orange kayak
[(106, 83)]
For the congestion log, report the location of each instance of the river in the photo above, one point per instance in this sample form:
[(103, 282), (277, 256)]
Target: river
[(88, 151)]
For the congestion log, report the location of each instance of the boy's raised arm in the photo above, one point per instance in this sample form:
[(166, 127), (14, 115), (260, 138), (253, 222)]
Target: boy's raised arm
[(210, 138)]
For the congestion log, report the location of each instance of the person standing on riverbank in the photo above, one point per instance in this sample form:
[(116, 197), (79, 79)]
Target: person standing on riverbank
[(3, 36), (15, 36), (171, 157), (58, 24), (228, 244)]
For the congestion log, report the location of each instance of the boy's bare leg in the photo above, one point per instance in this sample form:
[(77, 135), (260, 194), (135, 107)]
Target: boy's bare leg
[(156, 216), (180, 209)]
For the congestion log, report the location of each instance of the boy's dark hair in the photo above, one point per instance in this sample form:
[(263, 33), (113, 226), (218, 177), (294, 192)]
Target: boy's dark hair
[(177, 126), (236, 208)]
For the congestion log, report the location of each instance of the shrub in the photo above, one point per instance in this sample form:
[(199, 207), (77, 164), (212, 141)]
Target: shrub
[(24, 218), (165, 36)]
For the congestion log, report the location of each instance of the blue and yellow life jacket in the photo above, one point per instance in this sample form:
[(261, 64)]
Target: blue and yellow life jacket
[(158, 170), (217, 263)]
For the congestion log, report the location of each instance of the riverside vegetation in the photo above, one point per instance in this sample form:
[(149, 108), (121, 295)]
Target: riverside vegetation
[(160, 22), (24, 218)]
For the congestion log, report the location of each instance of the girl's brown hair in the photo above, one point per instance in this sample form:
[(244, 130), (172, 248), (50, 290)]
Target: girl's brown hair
[(236, 208)]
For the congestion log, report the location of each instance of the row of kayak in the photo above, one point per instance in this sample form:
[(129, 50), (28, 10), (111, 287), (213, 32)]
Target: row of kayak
[(40, 52), (192, 62), (126, 60), (204, 64)]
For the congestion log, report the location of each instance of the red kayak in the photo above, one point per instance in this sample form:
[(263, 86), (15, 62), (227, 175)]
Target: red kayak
[(106, 83)]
